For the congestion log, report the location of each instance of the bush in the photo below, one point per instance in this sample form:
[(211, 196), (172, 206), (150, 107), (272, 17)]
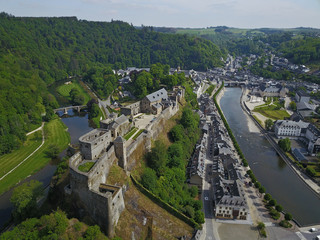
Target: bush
[(261, 225), (288, 216), (189, 211), (311, 171), (262, 189), (199, 217), (274, 214), (267, 197), (285, 224), (279, 208), (257, 184), (272, 202)]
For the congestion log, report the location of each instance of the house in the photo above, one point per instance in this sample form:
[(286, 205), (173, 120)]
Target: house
[(302, 96), (229, 199), (305, 109), (313, 137), (152, 103)]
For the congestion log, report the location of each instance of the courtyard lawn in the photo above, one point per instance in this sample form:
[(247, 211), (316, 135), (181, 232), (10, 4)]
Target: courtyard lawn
[(273, 114), (65, 89), (130, 133), (55, 133), (273, 110), (86, 166)]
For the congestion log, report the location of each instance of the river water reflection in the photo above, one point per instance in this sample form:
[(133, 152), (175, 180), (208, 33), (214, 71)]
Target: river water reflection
[(273, 173)]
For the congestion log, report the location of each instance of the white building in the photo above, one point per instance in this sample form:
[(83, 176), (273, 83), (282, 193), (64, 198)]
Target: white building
[(291, 129)]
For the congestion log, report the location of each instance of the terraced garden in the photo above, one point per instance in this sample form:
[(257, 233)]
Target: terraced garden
[(55, 134)]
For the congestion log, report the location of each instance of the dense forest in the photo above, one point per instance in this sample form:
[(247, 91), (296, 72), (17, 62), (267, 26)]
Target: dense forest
[(35, 52)]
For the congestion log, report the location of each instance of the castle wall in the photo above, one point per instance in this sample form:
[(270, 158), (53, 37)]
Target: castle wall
[(100, 171), (92, 143)]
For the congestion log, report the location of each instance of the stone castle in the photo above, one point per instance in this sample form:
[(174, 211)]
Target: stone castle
[(103, 147)]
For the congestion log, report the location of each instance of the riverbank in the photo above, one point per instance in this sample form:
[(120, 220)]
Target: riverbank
[(27, 163), (312, 185)]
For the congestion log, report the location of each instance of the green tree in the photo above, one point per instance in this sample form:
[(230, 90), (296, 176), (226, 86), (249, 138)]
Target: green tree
[(53, 151), (176, 133), (279, 208), (93, 233), (268, 124), (288, 216), (267, 197), (293, 106), (285, 144), (149, 179), (24, 200), (272, 202), (175, 155), (157, 158), (199, 217)]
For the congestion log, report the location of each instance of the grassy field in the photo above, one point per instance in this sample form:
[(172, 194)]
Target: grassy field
[(273, 114), (55, 133), (272, 110), (64, 90)]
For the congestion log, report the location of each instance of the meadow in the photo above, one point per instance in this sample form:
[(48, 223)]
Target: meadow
[(55, 134)]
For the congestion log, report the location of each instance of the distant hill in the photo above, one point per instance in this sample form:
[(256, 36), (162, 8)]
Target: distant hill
[(301, 45), (35, 52)]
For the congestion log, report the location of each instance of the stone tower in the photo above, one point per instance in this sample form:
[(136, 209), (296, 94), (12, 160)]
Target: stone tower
[(121, 152)]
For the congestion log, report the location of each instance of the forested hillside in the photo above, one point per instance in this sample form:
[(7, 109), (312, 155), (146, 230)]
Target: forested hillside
[(35, 52)]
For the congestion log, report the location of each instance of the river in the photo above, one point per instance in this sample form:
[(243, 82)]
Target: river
[(77, 126), (273, 173)]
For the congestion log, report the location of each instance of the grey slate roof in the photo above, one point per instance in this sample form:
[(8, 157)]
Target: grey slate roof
[(158, 95)]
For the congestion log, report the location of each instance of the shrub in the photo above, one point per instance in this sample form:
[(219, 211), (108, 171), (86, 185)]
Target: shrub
[(189, 211), (274, 214), (285, 224), (199, 217), (267, 197), (261, 225), (272, 202), (262, 189), (279, 208), (257, 184), (288, 216)]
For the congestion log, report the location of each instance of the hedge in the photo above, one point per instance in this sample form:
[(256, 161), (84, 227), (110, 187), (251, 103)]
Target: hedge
[(165, 205)]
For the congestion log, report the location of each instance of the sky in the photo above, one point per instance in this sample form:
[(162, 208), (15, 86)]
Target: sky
[(177, 13)]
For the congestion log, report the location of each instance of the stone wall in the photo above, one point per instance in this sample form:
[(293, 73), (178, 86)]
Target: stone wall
[(100, 171), (92, 143)]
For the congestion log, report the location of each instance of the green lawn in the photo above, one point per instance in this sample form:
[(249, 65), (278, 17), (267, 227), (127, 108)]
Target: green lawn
[(130, 133), (272, 111), (55, 133), (64, 90), (86, 166), (10, 160), (137, 134), (273, 114)]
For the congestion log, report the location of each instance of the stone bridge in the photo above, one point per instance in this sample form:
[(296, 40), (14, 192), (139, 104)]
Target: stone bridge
[(232, 83), (65, 109)]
